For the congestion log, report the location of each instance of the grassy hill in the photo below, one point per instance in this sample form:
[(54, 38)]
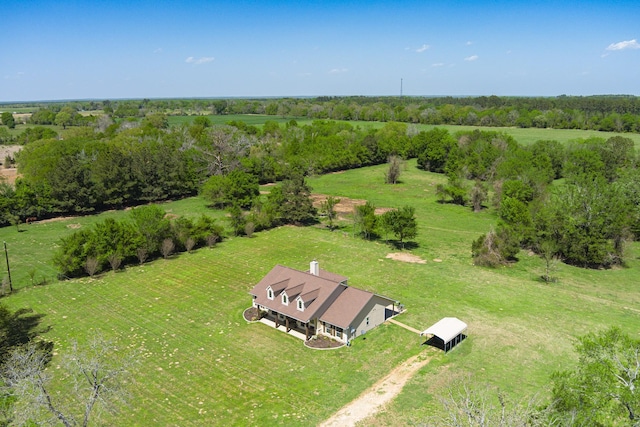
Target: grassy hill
[(202, 364)]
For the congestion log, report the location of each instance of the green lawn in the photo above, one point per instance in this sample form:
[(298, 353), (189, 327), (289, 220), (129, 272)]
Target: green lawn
[(202, 364)]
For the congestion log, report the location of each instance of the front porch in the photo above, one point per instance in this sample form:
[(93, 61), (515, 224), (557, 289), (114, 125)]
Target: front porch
[(288, 325)]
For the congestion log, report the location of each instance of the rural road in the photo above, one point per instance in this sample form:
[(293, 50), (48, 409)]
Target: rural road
[(375, 397)]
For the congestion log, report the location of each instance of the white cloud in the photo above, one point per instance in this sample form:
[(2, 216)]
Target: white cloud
[(471, 58), (438, 64), (628, 44), (158, 50), (422, 48), (198, 61), (338, 70), (469, 43)]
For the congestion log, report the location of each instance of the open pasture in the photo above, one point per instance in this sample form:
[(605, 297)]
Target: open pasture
[(524, 136), (202, 364), (250, 119)]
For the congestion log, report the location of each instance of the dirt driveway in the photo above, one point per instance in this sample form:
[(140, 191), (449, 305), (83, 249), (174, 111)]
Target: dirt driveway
[(375, 397)]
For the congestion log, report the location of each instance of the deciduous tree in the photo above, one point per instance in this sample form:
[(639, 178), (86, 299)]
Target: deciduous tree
[(328, 208), (603, 387), (98, 378), (365, 219), (393, 172), (8, 120), (402, 223)]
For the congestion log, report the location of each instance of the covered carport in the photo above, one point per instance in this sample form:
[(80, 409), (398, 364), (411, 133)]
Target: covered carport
[(446, 333)]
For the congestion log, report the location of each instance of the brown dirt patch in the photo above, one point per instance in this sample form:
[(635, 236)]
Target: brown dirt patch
[(74, 226), (9, 175), (59, 218), (346, 205), (405, 257)]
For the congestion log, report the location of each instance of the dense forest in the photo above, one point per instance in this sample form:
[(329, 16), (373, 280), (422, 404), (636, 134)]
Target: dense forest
[(579, 202)]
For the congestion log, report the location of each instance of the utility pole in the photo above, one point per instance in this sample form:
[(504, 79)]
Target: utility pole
[(401, 88), (6, 255)]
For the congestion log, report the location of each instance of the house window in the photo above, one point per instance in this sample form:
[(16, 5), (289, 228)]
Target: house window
[(339, 332), (270, 293), (300, 305), (327, 328), (285, 300)]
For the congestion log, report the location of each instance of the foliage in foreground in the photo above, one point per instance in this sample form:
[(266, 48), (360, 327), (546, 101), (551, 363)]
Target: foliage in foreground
[(603, 388), (600, 391), (470, 406), (97, 378)]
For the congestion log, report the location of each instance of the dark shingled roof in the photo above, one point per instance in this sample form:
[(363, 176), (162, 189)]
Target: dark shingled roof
[(346, 307), (326, 287), (326, 296)]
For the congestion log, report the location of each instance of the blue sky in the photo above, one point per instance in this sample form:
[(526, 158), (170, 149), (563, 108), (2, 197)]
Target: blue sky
[(153, 49)]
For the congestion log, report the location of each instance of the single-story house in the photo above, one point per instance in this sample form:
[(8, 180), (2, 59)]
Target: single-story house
[(319, 302)]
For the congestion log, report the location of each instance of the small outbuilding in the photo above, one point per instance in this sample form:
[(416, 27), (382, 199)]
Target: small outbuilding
[(446, 333)]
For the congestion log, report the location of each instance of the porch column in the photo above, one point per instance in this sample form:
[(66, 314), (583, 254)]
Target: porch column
[(286, 320), (306, 330), (276, 319)]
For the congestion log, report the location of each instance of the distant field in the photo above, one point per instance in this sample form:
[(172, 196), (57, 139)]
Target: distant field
[(524, 136), (250, 119), (20, 128), (18, 110), (203, 365)]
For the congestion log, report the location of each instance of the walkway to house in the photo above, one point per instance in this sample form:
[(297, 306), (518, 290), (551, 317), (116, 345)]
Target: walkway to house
[(375, 397), (402, 325)]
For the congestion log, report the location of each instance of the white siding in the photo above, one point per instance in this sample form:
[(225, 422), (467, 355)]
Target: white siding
[(375, 311)]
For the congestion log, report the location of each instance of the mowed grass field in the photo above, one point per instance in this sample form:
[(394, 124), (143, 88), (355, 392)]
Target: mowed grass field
[(524, 136), (202, 364)]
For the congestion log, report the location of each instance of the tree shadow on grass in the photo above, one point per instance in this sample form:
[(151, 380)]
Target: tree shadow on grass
[(19, 328), (405, 245)]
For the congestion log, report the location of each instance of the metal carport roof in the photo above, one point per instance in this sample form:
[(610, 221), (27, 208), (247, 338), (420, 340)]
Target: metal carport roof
[(446, 329)]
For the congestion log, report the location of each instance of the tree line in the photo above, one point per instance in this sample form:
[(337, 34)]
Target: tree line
[(619, 113), (132, 162), (578, 203)]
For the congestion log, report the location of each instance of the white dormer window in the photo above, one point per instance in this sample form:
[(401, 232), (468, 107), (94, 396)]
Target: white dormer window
[(285, 300), (270, 293), (300, 305)]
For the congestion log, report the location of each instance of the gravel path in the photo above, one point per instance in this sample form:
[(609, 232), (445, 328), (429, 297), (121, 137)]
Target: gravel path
[(374, 398)]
